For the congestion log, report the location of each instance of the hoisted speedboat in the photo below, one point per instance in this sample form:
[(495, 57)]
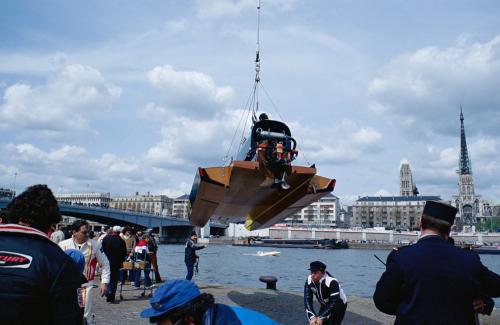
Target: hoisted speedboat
[(261, 185)]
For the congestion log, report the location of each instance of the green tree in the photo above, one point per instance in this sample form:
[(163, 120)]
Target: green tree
[(491, 224)]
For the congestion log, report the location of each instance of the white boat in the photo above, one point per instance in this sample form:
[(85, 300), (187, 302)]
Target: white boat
[(261, 253)]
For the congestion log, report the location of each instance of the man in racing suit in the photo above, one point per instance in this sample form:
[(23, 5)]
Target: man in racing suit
[(93, 253), (39, 283), (329, 294)]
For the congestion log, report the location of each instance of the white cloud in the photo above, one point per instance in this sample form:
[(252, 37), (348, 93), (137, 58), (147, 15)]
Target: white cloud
[(59, 106), (177, 26), (73, 167), (190, 92), (344, 143), (423, 89), (187, 143)]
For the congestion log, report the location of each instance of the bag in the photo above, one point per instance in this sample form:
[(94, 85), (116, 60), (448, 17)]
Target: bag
[(141, 265), (128, 265)]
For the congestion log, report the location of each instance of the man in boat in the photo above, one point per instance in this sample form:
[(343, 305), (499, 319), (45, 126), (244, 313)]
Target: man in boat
[(190, 254), (181, 302), (39, 283), (333, 301), (433, 282)]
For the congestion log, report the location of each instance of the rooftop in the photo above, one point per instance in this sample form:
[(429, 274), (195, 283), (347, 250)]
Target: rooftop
[(397, 198)]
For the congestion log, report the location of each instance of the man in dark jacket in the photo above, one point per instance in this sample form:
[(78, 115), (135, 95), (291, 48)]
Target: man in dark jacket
[(116, 251), (190, 254), (433, 282), (153, 256), (39, 283), (331, 297)]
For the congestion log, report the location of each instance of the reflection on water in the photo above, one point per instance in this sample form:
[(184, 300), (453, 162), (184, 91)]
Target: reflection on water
[(356, 269)]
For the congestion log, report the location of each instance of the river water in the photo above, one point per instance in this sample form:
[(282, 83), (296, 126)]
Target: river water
[(356, 269)]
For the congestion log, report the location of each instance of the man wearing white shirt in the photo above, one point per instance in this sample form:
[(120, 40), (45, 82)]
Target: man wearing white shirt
[(93, 253)]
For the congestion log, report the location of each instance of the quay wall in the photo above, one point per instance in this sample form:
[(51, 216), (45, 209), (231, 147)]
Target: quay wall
[(374, 236)]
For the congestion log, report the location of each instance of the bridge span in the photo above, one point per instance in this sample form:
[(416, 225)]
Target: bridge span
[(171, 229)]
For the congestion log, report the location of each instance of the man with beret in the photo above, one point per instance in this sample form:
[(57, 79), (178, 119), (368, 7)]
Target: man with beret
[(181, 302), (433, 282), (329, 293)]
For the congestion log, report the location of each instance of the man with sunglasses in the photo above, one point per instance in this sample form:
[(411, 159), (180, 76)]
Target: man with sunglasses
[(94, 254), (331, 297)]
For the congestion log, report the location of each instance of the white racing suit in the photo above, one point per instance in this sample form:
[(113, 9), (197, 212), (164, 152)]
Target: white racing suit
[(93, 253)]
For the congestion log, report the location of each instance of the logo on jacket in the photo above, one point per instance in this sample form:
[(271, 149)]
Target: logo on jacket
[(14, 260)]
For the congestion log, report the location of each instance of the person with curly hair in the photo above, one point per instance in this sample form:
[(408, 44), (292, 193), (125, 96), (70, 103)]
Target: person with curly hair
[(39, 283)]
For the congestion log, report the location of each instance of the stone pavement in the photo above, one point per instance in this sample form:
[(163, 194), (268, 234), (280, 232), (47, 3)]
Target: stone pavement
[(284, 307)]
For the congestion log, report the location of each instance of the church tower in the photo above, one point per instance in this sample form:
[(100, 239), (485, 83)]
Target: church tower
[(406, 187), (467, 202)]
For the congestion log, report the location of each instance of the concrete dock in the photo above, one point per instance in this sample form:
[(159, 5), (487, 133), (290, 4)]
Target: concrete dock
[(284, 307)]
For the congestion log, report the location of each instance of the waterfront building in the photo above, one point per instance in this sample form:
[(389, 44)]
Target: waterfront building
[(406, 185), (95, 199), (7, 193), (345, 217), (153, 204), (324, 212), (471, 209), (181, 207), (391, 212)]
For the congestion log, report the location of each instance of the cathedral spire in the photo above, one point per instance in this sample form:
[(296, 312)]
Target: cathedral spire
[(464, 163)]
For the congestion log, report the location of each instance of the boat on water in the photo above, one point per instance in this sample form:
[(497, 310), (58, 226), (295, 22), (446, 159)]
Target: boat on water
[(261, 186), (492, 250), (298, 243), (262, 253)]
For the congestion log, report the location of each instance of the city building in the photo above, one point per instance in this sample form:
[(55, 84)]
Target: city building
[(406, 185), (95, 199), (181, 207), (471, 209), (153, 204), (324, 212), (391, 212), (7, 193), (344, 217)]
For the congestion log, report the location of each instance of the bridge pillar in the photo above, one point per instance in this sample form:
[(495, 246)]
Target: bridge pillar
[(175, 234), (205, 231)]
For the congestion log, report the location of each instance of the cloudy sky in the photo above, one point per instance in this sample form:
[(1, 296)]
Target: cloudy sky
[(126, 96)]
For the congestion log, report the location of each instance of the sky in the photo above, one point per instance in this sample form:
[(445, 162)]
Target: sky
[(132, 96)]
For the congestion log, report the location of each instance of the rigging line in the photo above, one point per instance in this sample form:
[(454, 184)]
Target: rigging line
[(247, 105), (257, 63), (282, 119), (246, 120)]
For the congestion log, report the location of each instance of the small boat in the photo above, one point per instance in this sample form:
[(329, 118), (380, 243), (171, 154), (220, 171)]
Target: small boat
[(261, 253), (493, 250)]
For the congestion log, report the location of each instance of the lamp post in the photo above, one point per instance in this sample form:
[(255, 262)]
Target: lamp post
[(15, 179)]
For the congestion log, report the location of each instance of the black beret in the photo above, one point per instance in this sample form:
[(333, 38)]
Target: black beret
[(317, 266), (440, 210), (193, 233)]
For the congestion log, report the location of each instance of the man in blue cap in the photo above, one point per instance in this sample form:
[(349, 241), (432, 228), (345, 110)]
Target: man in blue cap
[(433, 282), (181, 302)]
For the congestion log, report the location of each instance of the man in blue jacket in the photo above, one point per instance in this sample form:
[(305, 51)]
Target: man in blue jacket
[(433, 282), (39, 283), (181, 302), (190, 254)]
